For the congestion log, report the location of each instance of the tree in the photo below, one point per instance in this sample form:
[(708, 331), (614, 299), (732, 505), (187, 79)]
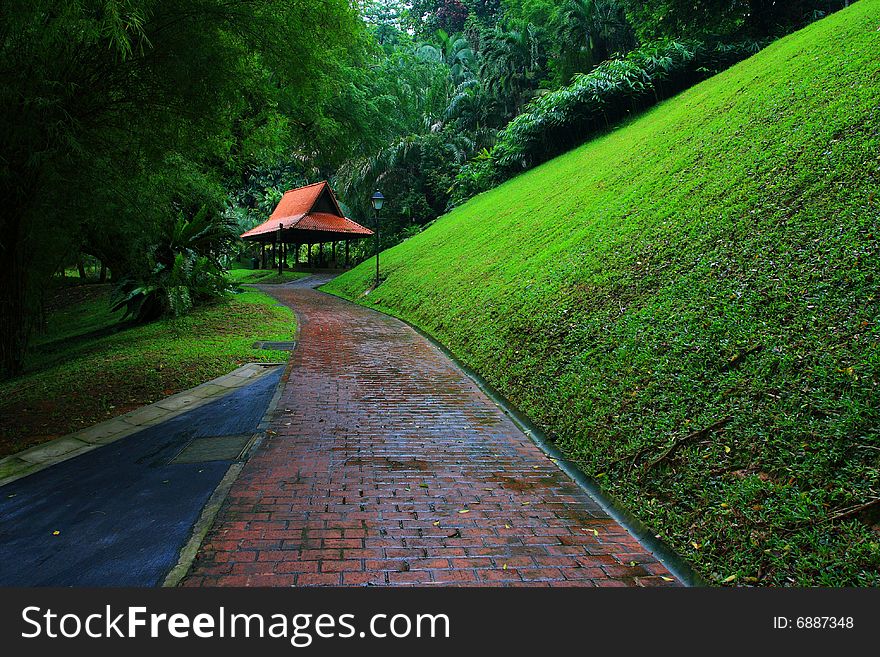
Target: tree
[(106, 103), (586, 33), (722, 18)]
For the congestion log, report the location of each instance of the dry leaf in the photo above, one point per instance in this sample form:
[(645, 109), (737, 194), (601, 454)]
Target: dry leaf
[(464, 510)]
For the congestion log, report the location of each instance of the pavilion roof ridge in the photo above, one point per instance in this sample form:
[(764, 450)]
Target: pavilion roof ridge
[(296, 205)]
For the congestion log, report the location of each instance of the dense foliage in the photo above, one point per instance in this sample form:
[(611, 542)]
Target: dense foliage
[(495, 87), (118, 115), (688, 305), (613, 91)]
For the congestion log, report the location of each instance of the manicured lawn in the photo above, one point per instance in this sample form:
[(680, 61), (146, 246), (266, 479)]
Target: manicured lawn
[(88, 368), (706, 273), (264, 276)]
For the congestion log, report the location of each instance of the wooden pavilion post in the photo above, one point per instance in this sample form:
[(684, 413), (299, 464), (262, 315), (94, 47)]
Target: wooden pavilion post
[(346, 253), (280, 251), (321, 254), (309, 256), (263, 254)]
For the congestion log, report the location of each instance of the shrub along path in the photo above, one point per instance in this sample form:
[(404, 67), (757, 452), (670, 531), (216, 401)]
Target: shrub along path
[(385, 464)]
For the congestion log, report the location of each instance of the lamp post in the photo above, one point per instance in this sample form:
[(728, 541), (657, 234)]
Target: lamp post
[(377, 200)]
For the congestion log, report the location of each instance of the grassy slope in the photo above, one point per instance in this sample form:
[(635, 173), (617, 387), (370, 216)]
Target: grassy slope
[(606, 292), (81, 372)]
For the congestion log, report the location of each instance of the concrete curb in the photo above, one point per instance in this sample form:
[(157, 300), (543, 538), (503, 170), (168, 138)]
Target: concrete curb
[(206, 519), (42, 456)]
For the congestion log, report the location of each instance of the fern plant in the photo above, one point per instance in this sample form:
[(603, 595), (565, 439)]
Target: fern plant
[(186, 271)]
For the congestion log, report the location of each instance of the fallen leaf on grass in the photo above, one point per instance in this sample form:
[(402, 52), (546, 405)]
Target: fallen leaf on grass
[(728, 580)]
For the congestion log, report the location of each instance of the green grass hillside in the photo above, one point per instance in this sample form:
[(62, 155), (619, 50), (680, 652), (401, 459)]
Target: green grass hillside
[(704, 274)]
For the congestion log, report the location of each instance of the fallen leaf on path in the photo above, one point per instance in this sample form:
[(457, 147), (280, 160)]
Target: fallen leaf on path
[(666, 579), (55, 533), (464, 510)]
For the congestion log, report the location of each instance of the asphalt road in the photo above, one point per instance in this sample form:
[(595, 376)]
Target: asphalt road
[(119, 515)]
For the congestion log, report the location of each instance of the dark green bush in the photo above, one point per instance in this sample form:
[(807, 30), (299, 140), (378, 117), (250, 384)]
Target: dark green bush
[(613, 91), (186, 269)]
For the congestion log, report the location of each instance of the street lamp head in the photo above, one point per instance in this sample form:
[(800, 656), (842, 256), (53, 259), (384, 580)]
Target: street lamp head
[(377, 200)]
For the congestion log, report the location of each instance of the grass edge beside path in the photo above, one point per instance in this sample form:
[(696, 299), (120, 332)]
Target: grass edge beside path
[(85, 371)]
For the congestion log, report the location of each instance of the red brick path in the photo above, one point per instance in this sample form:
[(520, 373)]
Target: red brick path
[(389, 466)]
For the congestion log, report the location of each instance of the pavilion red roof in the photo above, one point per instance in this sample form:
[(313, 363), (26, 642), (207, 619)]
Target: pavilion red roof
[(312, 208)]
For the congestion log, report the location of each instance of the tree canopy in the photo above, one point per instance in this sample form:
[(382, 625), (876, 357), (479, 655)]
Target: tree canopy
[(127, 121)]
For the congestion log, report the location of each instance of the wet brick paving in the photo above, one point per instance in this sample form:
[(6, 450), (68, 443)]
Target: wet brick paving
[(387, 465)]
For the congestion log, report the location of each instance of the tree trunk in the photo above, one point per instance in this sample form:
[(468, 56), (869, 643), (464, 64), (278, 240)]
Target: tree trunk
[(14, 320)]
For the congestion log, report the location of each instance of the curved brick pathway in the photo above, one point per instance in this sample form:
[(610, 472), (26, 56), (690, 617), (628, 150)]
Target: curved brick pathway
[(387, 465)]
